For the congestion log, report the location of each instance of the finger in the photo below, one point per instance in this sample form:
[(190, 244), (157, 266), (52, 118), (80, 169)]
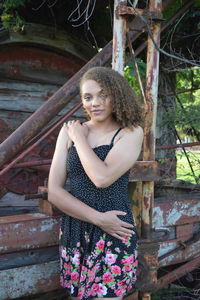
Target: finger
[(125, 233), (117, 236), (127, 225), (119, 212)]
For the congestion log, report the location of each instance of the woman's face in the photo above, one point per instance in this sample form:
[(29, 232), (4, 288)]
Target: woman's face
[(96, 101)]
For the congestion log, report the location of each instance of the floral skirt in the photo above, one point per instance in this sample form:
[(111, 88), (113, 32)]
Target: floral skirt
[(95, 264)]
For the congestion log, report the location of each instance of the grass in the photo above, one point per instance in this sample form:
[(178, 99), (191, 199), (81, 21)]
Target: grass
[(183, 169)]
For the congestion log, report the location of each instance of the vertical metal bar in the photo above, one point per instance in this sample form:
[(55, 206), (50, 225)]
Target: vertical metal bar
[(150, 120), (149, 130), (119, 38)]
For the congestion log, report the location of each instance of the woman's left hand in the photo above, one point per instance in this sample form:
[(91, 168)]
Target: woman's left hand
[(76, 130)]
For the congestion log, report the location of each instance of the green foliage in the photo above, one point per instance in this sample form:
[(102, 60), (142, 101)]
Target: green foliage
[(183, 169), (10, 16), (169, 12), (187, 114), (130, 75)]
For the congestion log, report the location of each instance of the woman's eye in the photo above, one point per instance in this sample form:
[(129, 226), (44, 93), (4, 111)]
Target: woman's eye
[(87, 98)]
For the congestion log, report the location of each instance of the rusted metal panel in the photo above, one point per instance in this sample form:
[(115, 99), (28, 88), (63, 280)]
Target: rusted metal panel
[(119, 38), (46, 36), (48, 110), (170, 213), (28, 231), (24, 85), (184, 232), (147, 269), (127, 10), (179, 256), (177, 273), (29, 280), (144, 171), (28, 257)]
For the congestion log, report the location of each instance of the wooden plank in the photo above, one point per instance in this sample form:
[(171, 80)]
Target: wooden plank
[(29, 280), (16, 86), (28, 231)]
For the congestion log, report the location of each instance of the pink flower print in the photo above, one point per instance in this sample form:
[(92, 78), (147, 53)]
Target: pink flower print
[(78, 244), (76, 259), (110, 258), (123, 261), (91, 275), (100, 245), (107, 277), (125, 239), (74, 276), (135, 263), (127, 268), (119, 292), (130, 259), (102, 290), (97, 279), (130, 287), (108, 243), (116, 269), (84, 269), (117, 249), (83, 276), (95, 289), (80, 293), (121, 283), (67, 267)]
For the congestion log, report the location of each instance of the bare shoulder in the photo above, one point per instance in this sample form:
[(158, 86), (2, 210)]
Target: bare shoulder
[(132, 133)]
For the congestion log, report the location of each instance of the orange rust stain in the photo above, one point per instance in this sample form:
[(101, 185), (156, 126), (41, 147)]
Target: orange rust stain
[(146, 202)]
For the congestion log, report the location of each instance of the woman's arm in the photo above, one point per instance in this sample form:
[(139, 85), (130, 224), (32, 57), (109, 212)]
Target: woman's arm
[(109, 222), (119, 159), (57, 177)]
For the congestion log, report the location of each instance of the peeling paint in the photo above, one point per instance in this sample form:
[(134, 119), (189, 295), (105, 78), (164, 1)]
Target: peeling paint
[(157, 217), (33, 279)]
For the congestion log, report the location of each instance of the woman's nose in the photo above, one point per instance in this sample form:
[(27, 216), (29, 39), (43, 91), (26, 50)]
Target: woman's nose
[(95, 101)]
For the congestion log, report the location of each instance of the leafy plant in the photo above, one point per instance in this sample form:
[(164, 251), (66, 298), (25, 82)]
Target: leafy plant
[(130, 75), (10, 16)]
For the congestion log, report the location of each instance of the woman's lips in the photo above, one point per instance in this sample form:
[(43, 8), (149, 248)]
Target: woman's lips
[(97, 111)]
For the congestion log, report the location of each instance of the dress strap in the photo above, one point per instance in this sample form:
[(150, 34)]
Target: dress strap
[(113, 138)]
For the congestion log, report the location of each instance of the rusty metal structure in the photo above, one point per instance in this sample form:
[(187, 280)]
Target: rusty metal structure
[(169, 226)]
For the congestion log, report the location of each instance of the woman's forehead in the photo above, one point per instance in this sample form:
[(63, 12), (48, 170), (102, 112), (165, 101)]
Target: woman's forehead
[(90, 86)]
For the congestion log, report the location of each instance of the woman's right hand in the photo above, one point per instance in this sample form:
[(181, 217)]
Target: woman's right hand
[(111, 224)]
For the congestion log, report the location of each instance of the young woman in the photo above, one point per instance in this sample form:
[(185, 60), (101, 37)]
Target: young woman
[(97, 237)]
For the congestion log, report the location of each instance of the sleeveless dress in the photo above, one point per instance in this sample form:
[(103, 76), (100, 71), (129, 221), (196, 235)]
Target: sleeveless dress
[(93, 263)]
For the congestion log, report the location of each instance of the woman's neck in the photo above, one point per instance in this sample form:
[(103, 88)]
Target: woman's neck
[(105, 126)]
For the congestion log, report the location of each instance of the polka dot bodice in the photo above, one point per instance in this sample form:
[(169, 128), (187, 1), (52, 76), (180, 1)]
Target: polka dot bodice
[(103, 199)]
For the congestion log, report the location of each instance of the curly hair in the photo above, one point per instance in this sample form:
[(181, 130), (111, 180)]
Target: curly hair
[(126, 109)]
